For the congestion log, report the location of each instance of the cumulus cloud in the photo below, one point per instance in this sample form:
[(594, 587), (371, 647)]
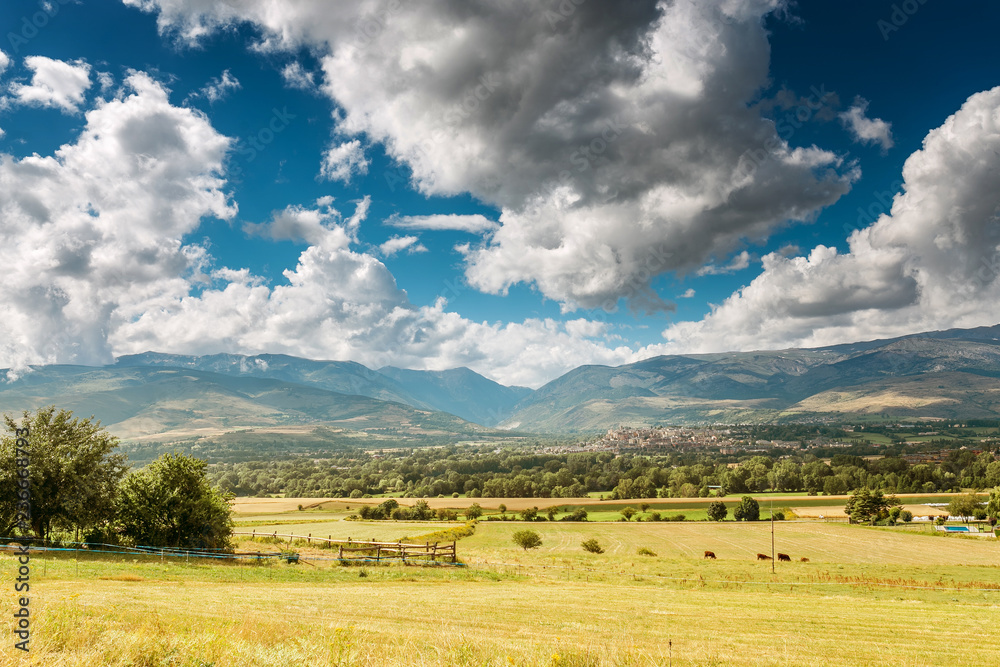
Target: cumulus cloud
[(931, 262), (54, 83), (396, 244), (296, 76), (475, 224), (92, 230), (689, 293), (4, 62), (342, 161), (617, 140), (218, 88), (738, 263), (867, 130)]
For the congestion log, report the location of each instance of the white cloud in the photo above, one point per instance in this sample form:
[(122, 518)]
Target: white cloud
[(218, 88), (4, 61), (689, 293), (92, 231), (342, 161), (618, 145), (738, 263), (297, 76), (867, 130), (54, 83), (475, 224), (106, 81), (932, 262), (411, 244)]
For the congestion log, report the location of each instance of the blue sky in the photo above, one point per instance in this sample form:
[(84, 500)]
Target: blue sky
[(287, 184)]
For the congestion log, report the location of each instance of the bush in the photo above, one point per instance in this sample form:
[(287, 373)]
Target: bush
[(592, 545), (939, 521), (717, 511), (906, 516), (676, 517), (654, 516), (643, 551), (527, 539), (579, 514)]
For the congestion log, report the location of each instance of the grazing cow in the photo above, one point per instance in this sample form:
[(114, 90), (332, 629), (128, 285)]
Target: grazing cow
[(763, 557), (785, 557), (804, 559), (710, 554)]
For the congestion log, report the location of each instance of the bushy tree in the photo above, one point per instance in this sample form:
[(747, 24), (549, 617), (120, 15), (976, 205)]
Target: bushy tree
[(747, 510), (717, 511), (592, 545), (529, 514), (869, 505), (527, 539), (965, 505), (473, 512), (170, 503), (73, 468)]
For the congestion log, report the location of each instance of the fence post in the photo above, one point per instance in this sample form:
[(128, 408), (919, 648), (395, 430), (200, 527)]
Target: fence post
[(309, 541), (378, 554)]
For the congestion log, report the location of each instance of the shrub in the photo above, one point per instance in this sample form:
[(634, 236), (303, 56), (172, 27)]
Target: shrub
[(527, 539), (906, 516), (579, 514), (939, 521), (654, 516), (717, 511), (643, 551), (592, 545)]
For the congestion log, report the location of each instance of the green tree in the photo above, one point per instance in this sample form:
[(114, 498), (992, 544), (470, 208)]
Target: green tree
[(628, 512), (964, 506), (869, 505), (473, 512), (993, 506), (73, 468), (527, 539), (592, 545), (717, 511), (529, 514), (503, 509), (747, 510), (170, 503)]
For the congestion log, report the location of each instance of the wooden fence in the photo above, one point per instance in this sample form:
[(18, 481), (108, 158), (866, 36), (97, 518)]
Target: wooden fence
[(377, 551)]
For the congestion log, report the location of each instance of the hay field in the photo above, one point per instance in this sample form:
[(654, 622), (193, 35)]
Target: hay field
[(868, 597)]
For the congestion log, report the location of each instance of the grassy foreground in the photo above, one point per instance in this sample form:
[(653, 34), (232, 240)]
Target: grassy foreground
[(867, 597)]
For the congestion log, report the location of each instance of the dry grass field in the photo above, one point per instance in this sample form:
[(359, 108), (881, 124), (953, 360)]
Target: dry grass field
[(868, 596)]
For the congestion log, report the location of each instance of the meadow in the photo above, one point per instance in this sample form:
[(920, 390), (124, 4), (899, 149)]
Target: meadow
[(867, 596)]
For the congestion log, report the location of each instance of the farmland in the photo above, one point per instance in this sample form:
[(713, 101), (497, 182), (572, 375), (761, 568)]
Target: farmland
[(868, 596)]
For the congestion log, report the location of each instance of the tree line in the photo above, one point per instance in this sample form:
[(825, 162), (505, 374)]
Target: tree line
[(521, 473), (81, 486)]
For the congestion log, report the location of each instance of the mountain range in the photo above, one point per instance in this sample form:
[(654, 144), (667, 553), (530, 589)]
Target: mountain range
[(164, 397)]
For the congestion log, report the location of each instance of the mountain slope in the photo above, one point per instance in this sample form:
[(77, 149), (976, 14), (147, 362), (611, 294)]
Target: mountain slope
[(939, 374)]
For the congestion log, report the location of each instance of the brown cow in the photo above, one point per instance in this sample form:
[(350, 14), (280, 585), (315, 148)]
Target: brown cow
[(763, 557), (710, 554), (785, 557), (804, 559)]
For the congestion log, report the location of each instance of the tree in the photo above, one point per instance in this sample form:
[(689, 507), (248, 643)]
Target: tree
[(473, 512), (503, 509), (993, 506), (717, 511), (644, 506), (170, 503), (964, 506), (747, 510), (592, 545), (527, 539), (628, 512), (529, 514), (73, 469), (869, 505)]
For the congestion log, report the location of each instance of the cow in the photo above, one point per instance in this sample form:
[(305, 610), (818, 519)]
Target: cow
[(785, 557), (804, 560), (763, 557), (710, 554)]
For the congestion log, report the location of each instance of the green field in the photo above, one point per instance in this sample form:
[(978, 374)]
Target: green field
[(868, 596)]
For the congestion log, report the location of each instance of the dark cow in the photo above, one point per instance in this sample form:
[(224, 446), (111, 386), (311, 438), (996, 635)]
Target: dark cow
[(804, 560), (785, 557), (763, 557), (710, 554)]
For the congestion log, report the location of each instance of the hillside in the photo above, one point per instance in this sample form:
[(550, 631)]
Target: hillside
[(950, 374)]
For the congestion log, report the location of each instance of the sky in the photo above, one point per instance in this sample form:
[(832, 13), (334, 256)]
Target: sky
[(520, 187)]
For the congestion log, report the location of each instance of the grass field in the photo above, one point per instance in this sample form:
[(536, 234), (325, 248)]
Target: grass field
[(868, 596)]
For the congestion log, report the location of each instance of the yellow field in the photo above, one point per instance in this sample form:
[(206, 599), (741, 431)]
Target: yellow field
[(868, 597)]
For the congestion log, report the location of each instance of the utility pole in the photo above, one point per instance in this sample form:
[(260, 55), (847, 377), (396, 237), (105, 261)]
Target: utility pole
[(772, 535)]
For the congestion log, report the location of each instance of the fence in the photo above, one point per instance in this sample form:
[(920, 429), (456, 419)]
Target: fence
[(377, 551)]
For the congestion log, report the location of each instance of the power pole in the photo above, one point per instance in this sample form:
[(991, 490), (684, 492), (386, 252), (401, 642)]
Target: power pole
[(772, 535)]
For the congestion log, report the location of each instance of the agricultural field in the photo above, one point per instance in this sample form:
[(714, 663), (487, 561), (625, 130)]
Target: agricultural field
[(867, 596)]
